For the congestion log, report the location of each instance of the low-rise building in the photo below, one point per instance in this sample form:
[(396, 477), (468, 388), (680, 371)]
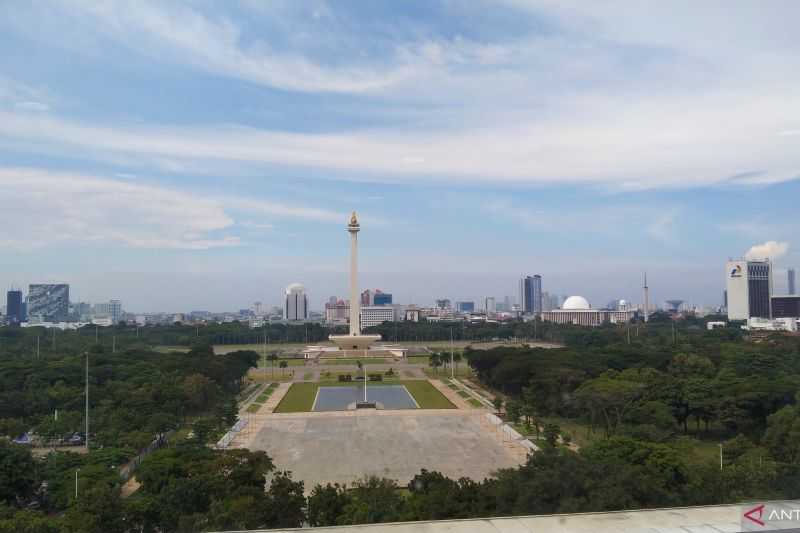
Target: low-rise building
[(577, 310), (373, 315)]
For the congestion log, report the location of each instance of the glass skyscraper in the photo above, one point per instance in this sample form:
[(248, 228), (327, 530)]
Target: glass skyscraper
[(530, 288), (14, 307)]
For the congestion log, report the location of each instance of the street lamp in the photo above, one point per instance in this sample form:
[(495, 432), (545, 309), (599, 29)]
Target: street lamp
[(76, 482)]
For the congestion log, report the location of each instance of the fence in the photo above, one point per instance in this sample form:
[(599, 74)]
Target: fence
[(160, 441), (226, 439)]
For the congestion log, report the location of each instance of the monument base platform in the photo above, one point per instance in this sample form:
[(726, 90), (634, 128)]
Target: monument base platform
[(354, 342)]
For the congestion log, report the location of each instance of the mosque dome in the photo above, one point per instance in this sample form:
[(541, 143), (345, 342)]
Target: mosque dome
[(576, 303)]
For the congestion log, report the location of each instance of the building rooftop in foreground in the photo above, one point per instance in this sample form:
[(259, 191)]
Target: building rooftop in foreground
[(706, 519)]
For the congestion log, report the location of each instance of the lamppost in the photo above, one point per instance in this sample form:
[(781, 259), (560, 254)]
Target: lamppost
[(452, 368), (76, 482), (87, 401)]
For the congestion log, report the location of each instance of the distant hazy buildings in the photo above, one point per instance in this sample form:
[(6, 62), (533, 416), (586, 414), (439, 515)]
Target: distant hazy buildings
[(490, 306), (443, 303), (337, 311), (465, 307), (790, 279), (376, 297), (295, 306), (48, 302), (577, 310), (530, 288), (749, 287), (111, 310), (381, 298)]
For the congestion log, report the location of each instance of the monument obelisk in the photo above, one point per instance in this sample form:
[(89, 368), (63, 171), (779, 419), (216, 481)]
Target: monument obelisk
[(354, 340), (355, 295)]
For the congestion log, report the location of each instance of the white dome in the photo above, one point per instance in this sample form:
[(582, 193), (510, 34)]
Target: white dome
[(575, 303), (295, 287)]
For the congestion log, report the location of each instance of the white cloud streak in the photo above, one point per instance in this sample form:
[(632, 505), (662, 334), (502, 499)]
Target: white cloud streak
[(567, 108), (172, 32), (767, 250), (46, 208)]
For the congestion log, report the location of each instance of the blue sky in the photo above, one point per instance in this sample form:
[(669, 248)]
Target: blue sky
[(204, 155)]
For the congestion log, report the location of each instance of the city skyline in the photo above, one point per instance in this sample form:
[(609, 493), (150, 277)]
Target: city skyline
[(479, 141)]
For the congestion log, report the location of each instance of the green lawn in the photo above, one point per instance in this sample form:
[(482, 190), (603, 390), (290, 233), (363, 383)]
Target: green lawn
[(277, 364), (426, 395), (300, 397), (263, 397), (352, 361), (464, 394), (475, 403), (253, 407)]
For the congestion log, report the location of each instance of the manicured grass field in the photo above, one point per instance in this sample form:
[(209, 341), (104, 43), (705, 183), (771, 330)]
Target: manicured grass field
[(263, 397), (300, 397), (475, 403), (349, 361), (276, 364), (253, 407), (427, 396)]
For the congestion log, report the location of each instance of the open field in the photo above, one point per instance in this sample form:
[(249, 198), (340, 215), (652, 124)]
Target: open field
[(427, 396), (393, 444), (276, 364), (413, 345), (300, 397)]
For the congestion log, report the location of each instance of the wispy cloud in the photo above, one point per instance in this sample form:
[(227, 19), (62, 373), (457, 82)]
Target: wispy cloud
[(767, 250), (179, 33), (627, 151), (46, 208)]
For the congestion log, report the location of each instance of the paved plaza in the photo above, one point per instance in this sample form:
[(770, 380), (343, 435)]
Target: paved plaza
[(345, 446)]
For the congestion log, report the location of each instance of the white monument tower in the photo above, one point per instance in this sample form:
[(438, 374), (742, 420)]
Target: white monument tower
[(354, 340)]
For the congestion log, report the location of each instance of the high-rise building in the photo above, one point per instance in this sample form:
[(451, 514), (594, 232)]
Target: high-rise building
[(749, 285), (490, 306), (367, 298), (111, 310), (295, 305), (790, 276), (337, 311), (14, 307), (381, 298), (443, 303), (48, 302), (530, 290), (465, 307)]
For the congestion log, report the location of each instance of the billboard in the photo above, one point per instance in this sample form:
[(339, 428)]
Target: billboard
[(48, 302), (736, 283)]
